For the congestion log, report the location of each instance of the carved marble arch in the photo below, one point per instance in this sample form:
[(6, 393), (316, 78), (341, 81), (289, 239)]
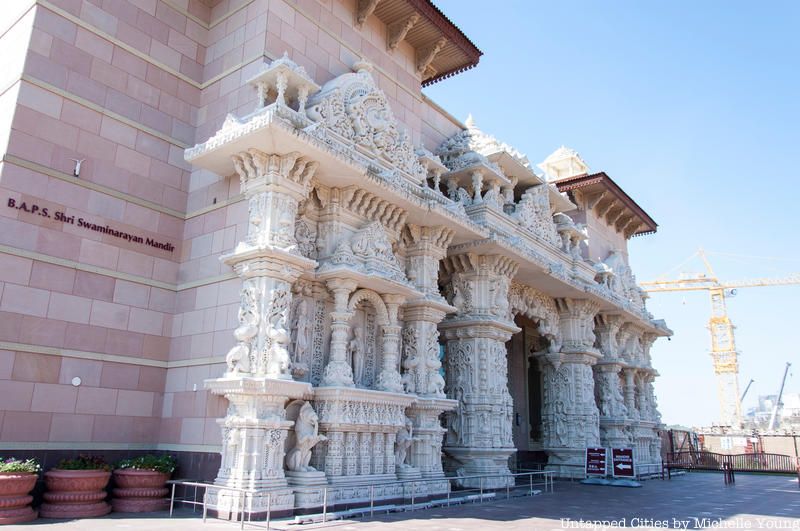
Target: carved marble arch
[(535, 305), (373, 298)]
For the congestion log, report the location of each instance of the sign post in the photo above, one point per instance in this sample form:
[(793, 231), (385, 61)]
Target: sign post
[(622, 465), (595, 462)]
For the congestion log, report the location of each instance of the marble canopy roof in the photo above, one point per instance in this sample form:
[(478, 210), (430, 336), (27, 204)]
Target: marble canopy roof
[(610, 202), (442, 49)]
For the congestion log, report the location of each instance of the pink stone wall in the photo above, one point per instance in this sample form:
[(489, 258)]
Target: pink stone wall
[(127, 85)]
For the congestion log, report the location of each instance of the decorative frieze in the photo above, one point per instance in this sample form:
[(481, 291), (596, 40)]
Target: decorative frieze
[(533, 213)]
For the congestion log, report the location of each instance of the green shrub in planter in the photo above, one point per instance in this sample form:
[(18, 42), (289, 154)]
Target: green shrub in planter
[(84, 462), (14, 465), (158, 463)]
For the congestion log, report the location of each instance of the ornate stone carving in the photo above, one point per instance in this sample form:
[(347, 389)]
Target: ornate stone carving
[(304, 436), (272, 213), (615, 274), (368, 251), (403, 443), (353, 107), (479, 435), (533, 213), (461, 149), (285, 78), (306, 238), (576, 320), (301, 338), (357, 355), (372, 207), (338, 371), (571, 233), (527, 301), (425, 247)]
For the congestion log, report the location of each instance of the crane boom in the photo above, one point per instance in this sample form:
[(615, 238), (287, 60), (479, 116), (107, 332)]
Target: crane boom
[(706, 283), (778, 404), (723, 344), (746, 389)]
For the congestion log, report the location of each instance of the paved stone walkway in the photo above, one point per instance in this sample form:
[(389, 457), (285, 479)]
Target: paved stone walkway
[(693, 501)]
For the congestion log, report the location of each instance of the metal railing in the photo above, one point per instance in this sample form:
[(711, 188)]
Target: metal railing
[(738, 463), (518, 484)]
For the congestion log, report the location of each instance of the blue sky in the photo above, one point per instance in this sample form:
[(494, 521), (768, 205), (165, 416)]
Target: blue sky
[(692, 107)]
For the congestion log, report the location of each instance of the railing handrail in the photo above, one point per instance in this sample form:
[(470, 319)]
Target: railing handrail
[(249, 494), (752, 462), (349, 485)]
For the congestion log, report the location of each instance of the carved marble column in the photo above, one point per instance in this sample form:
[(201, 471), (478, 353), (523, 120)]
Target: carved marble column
[(629, 374), (608, 389), (389, 378), (570, 417), (479, 433), (338, 371), (259, 383), (425, 248)]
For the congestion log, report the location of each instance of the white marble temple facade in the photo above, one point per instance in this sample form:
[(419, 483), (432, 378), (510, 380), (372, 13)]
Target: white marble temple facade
[(366, 259)]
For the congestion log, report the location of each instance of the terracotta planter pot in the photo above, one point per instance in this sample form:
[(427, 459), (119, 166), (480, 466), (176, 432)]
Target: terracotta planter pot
[(15, 503), (140, 491), (75, 494)]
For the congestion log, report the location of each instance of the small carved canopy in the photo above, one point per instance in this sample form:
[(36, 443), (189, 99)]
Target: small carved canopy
[(374, 299), (442, 50)]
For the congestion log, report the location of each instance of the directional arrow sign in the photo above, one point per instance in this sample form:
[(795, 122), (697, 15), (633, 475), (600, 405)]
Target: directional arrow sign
[(595, 462), (622, 462)]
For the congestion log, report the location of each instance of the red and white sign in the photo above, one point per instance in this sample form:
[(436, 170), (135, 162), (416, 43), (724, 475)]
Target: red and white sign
[(622, 465), (595, 461)]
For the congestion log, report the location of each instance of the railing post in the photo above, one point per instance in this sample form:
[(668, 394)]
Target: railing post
[(172, 500), (371, 501), (798, 472), (480, 483), (269, 508), (204, 504), (241, 508), (325, 505), (250, 507), (412, 495), (530, 479)]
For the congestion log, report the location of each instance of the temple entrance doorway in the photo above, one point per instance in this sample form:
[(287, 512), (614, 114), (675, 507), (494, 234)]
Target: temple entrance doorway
[(525, 386)]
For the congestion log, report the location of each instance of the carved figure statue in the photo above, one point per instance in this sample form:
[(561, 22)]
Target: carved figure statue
[(278, 353), (301, 329), (436, 384), (355, 350), (238, 358), (306, 430), (408, 382), (603, 396), (306, 239), (560, 418), (403, 443), (455, 416), (492, 195)]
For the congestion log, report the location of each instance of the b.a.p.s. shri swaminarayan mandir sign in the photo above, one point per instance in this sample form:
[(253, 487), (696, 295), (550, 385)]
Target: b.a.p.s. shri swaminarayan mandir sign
[(286, 265)]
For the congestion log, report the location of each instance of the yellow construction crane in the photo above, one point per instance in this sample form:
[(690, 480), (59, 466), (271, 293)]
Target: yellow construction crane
[(723, 344)]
